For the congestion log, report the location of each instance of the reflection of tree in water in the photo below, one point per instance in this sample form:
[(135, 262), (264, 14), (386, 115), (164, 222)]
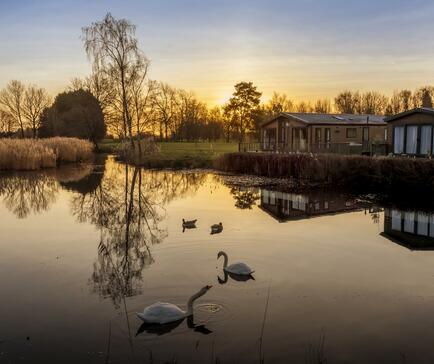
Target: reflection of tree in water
[(375, 217), (245, 198), (89, 182), (27, 193), (128, 208)]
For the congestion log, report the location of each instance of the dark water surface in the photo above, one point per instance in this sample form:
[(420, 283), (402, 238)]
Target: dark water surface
[(84, 248)]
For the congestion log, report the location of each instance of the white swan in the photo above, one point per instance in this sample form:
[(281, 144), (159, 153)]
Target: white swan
[(241, 269), (164, 313)]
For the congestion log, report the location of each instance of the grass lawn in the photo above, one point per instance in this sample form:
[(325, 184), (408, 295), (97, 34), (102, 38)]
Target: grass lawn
[(181, 154)]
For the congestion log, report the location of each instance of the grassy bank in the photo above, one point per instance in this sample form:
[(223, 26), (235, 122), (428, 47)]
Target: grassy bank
[(358, 172), (34, 154), (177, 154)]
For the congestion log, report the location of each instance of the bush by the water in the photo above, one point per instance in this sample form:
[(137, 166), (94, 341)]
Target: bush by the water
[(382, 173), (33, 154), (143, 149)]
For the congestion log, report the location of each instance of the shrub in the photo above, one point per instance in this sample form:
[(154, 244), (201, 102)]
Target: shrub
[(143, 149), (383, 173)]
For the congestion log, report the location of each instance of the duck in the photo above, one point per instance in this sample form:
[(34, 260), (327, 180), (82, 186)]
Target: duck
[(162, 313), (241, 269), (216, 228)]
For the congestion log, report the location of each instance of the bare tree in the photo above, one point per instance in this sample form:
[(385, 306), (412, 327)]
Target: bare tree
[(6, 122), (12, 99), (304, 107), (374, 102), (322, 106), (400, 101), (279, 103), (113, 47), (345, 102), (165, 101), (35, 101), (423, 97)]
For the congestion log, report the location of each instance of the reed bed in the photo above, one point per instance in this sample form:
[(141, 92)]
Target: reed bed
[(367, 173), (34, 154)]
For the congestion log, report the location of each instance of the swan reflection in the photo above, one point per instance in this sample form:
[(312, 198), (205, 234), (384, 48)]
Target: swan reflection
[(235, 277), (158, 329)]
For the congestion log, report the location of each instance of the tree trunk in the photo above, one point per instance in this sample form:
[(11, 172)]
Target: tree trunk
[(126, 111)]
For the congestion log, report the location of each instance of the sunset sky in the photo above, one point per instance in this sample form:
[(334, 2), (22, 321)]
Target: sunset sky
[(307, 48)]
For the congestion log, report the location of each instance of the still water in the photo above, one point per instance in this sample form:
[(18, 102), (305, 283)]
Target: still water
[(83, 249)]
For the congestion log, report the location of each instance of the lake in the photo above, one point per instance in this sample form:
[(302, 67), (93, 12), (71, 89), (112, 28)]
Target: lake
[(337, 279)]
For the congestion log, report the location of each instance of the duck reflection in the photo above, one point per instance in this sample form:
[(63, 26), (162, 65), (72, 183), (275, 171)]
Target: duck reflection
[(411, 229), (158, 329)]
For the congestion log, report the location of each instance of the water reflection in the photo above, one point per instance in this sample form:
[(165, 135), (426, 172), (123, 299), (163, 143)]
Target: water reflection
[(411, 229), (125, 204), (235, 277), (127, 207), (322, 270), (285, 206), (245, 198), (26, 193), (158, 329)]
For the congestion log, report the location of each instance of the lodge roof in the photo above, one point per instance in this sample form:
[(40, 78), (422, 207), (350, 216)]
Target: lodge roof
[(418, 110), (331, 119)]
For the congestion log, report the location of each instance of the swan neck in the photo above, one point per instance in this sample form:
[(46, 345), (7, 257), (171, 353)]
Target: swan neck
[(191, 301), (225, 263)]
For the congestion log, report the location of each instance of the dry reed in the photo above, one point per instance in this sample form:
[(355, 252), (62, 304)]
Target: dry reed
[(34, 154)]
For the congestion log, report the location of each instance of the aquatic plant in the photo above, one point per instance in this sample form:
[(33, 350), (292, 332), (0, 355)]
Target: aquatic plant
[(34, 154)]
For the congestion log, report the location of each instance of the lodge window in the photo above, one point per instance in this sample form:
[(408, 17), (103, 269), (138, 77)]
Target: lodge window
[(411, 142), (385, 135), (413, 139), (318, 136), (351, 133), (327, 136), (398, 140), (425, 139)]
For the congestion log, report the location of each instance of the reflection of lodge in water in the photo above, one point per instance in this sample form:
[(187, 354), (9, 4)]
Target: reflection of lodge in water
[(292, 206), (414, 230)]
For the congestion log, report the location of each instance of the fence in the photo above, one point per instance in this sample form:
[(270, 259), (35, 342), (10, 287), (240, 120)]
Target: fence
[(334, 148)]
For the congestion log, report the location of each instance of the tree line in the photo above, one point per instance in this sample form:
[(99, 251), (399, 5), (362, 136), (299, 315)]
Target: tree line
[(119, 98)]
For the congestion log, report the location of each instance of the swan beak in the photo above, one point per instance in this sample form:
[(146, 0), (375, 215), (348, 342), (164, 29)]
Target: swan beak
[(209, 287)]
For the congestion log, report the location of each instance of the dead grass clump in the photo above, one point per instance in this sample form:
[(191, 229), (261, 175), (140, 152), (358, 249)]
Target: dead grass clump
[(34, 154), (70, 149)]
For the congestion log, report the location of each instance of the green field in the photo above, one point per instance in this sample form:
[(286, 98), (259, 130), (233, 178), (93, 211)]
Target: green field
[(181, 154)]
